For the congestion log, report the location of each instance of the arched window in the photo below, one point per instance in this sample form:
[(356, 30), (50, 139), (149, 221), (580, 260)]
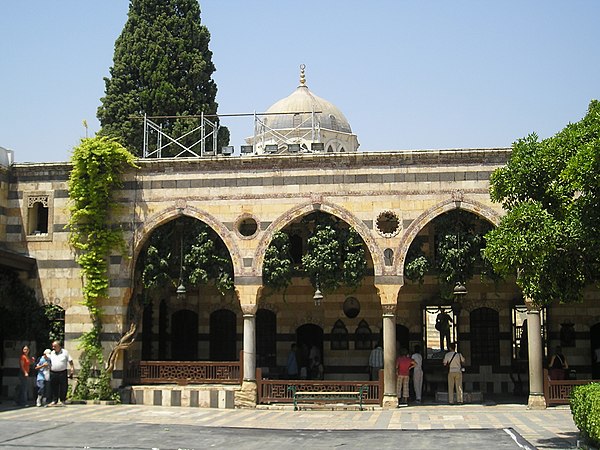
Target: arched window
[(223, 336), (339, 336), (147, 333), (162, 330), (363, 339), (184, 336), (485, 337), (266, 338)]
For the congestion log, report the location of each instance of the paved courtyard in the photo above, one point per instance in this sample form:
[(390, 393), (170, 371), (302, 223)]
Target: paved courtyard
[(506, 426)]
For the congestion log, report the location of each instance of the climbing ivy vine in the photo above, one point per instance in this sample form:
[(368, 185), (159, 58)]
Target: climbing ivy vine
[(98, 164)]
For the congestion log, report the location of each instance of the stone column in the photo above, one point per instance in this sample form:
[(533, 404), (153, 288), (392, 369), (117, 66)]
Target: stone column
[(249, 342), (248, 295), (388, 295), (536, 368)]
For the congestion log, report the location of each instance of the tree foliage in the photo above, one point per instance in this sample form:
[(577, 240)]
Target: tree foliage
[(549, 238), (205, 257), (277, 267), (162, 66), (334, 256), (457, 255)]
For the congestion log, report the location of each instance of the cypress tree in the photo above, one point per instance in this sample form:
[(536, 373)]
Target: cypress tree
[(162, 66)]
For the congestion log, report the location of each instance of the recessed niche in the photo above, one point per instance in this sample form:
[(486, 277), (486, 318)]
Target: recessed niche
[(388, 223), (247, 226), (351, 307)]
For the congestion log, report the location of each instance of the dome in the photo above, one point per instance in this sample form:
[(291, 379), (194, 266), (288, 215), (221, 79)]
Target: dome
[(302, 100), (302, 123)]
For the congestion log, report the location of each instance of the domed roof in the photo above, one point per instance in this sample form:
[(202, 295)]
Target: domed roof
[(302, 100)]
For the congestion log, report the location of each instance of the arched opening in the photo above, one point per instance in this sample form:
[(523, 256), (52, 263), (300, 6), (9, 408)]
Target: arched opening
[(183, 271), (266, 338), (184, 335), (310, 345), (223, 336), (485, 337), (402, 337)]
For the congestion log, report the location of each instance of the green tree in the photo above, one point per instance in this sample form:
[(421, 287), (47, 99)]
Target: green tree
[(162, 66), (457, 254), (205, 257), (335, 254), (550, 237)]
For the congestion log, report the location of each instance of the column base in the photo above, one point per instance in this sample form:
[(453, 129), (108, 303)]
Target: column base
[(536, 401), (247, 396), (390, 401)]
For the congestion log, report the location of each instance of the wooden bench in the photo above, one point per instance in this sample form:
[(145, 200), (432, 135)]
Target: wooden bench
[(328, 396)]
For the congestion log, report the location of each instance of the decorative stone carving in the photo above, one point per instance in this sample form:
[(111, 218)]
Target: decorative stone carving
[(33, 199), (249, 309), (388, 309), (458, 196)]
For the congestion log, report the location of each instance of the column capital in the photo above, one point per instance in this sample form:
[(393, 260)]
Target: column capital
[(248, 295), (388, 296)]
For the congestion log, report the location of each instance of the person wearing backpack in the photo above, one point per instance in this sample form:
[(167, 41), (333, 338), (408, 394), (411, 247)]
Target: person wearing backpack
[(454, 362)]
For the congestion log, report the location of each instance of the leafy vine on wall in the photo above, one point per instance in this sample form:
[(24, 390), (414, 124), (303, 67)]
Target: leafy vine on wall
[(98, 164)]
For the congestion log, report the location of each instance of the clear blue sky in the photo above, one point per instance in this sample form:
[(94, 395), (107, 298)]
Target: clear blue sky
[(407, 74)]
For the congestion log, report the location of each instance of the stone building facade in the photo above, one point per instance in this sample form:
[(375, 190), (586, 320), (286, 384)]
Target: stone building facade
[(365, 190)]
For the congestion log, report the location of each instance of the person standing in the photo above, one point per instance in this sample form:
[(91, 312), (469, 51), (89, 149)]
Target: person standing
[(376, 362), (417, 373), (558, 365), (43, 378), (454, 362), (24, 365), (403, 365), (442, 324), (59, 360), (292, 364)]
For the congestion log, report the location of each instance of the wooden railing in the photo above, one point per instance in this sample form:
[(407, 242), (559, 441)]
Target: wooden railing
[(558, 392), (184, 372), (276, 391)]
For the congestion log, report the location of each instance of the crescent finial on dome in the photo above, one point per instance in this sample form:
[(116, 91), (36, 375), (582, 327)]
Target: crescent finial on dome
[(302, 76)]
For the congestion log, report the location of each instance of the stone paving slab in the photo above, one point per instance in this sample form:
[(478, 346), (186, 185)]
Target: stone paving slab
[(552, 428)]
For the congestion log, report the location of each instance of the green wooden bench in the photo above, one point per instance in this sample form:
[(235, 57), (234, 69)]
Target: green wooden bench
[(328, 396)]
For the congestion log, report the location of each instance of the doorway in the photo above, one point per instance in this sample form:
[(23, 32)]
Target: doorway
[(310, 343), (184, 336)]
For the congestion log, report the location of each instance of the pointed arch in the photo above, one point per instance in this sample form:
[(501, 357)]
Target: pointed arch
[(426, 217), (143, 232), (318, 204)]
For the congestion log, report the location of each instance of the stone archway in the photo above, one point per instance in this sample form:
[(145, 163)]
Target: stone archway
[(319, 204), (457, 202)]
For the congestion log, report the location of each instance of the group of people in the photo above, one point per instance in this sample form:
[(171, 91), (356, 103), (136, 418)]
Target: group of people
[(51, 372), (405, 363), (304, 364)]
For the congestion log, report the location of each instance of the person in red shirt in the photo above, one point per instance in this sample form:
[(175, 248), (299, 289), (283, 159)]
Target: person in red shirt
[(24, 364), (403, 365)]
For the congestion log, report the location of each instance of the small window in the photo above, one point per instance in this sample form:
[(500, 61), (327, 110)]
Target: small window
[(363, 338), (339, 336), (37, 213)]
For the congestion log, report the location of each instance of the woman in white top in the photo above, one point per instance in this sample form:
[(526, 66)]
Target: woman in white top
[(418, 373)]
